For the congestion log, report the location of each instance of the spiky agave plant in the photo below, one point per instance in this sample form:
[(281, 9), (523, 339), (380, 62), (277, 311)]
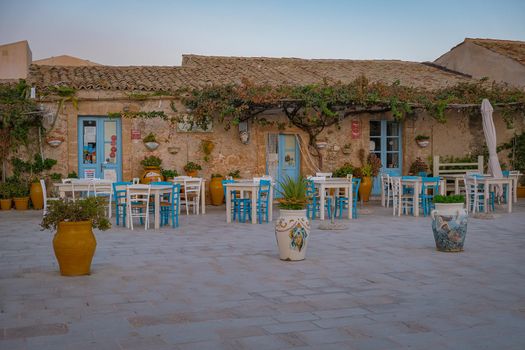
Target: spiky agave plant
[(293, 194)]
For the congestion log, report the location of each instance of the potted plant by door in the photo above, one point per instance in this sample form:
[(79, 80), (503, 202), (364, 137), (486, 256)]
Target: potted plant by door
[(449, 223), (6, 200), (423, 140), (418, 166), (20, 193), (192, 169), (150, 141), (216, 189), (151, 172), (169, 174), (74, 242), (344, 171), (292, 229)]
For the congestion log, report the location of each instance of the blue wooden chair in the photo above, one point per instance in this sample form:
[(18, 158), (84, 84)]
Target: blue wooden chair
[(119, 195), (429, 188), (169, 204), (263, 203), (313, 206), (234, 200), (342, 202)]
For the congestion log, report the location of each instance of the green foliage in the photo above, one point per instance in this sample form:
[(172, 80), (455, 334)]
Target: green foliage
[(418, 166), (88, 209), (55, 176), (293, 194), (19, 188), (517, 153), (167, 173), (5, 190), (422, 138), (346, 169), (191, 166), (375, 164), (32, 168), (235, 174), (149, 138), (207, 147), (449, 199), (72, 175), (151, 161), (142, 115)]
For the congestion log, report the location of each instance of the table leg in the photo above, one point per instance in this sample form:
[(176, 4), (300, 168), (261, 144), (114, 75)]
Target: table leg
[(270, 205), (415, 205), (254, 207), (228, 205), (203, 198), (485, 197), (157, 210), (456, 186), (322, 198), (348, 194), (509, 193)]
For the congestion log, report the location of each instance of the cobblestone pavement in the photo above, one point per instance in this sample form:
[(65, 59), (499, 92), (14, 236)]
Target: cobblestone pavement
[(379, 284)]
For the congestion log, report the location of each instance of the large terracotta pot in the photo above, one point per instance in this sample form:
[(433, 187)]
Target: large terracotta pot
[(5, 204), (292, 231), (21, 203), (449, 226), (192, 173), (521, 192), (74, 245), (37, 198), (364, 188), (151, 174), (216, 191)]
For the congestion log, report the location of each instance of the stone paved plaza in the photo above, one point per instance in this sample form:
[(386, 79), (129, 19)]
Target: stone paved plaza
[(380, 284)]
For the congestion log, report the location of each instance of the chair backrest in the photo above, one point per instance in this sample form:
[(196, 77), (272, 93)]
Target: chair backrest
[(264, 188), (135, 181), (44, 190), (385, 179), (395, 182), (102, 188), (430, 183), (356, 182), (317, 178), (175, 189), (119, 191), (473, 172), (310, 188), (192, 186), (138, 193), (224, 182), (323, 174)]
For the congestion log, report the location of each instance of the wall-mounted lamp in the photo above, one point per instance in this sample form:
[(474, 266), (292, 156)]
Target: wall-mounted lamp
[(244, 134)]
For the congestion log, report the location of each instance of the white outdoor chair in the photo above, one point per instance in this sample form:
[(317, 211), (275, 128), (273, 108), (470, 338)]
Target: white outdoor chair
[(386, 191), (136, 181), (192, 194), (104, 190), (400, 202), (323, 174), (46, 198), (137, 199), (69, 190)]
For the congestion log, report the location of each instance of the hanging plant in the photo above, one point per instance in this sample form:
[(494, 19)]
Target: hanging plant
[(207, 147)]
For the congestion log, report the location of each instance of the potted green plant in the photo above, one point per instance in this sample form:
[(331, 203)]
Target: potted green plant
[(346, 169), (6, 198), (150, 141), (216, 189), (449, 223), (20, 193), (169, 174), (292, 229), (423, 140), (418, 166), (55, 177), (192, 168), (74, 242), (152, 171), (72, 175), (235, 174), (370, 168)]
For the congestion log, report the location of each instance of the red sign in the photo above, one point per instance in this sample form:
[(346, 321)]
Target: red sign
[(135, 134), (356, 130)]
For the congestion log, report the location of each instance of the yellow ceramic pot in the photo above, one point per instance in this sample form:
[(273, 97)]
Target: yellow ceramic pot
[(74, 245), (364, 188), (37, 198), (5, 204), (151, 174), (21, 203), (216, 191), (521, 192), (192, 173)]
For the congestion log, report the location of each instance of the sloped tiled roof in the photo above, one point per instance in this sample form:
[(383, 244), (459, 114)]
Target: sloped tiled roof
[(198, 71), (65, 60), (509, 48)]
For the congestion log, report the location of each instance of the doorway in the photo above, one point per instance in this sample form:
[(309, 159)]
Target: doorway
[(385, 142)]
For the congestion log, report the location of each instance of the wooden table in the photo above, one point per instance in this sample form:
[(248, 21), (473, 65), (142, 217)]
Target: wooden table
[(492, 181), (334, 183), (242, 187), (203, 192), (459, 177), (417, 184)]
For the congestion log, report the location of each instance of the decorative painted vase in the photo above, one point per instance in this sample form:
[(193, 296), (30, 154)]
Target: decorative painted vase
[(216, 191), (292, 231), (5, 204), (450, 228), (21, 203), (364, 188), (151, 174), (74, 245), (37, 198)]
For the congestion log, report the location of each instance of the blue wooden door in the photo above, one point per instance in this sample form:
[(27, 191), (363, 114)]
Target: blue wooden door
[(99, 148), (385, 142), (289, 159)]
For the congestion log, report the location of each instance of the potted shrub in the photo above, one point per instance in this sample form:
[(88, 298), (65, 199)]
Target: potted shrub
[(169, 174), (151, 172), (235, 174), (346, 169), (423, 140), (20, 193), (74, 242), (192, 169), (418, 166), (55, 177), (150, 142), (370, 169), (72, 175), (5, 196), (449, 223), (292, 229), (216, 189)]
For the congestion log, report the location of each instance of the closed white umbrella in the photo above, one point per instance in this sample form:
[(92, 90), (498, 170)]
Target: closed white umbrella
[(490, 138)]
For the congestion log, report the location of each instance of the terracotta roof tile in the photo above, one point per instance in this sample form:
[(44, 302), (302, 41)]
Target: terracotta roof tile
[(509, 48), (198, 71)]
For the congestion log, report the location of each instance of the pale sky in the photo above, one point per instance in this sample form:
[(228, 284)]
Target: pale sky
[(158, 32)]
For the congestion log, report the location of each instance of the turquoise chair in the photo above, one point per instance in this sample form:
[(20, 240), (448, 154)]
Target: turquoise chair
[(170, 204), (342, 202), (263, 203), (313, 206), (119, 196), (429, 188), (234, 199)]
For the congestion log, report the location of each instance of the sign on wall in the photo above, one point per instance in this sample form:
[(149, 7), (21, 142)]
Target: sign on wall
[(356, 129)]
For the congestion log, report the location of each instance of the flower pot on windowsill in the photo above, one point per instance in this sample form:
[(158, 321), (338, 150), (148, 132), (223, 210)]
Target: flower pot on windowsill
[(151, 145), (423, 143)]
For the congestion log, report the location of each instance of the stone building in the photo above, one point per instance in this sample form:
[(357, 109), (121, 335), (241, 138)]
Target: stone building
[(498, 60), (94, 143)]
